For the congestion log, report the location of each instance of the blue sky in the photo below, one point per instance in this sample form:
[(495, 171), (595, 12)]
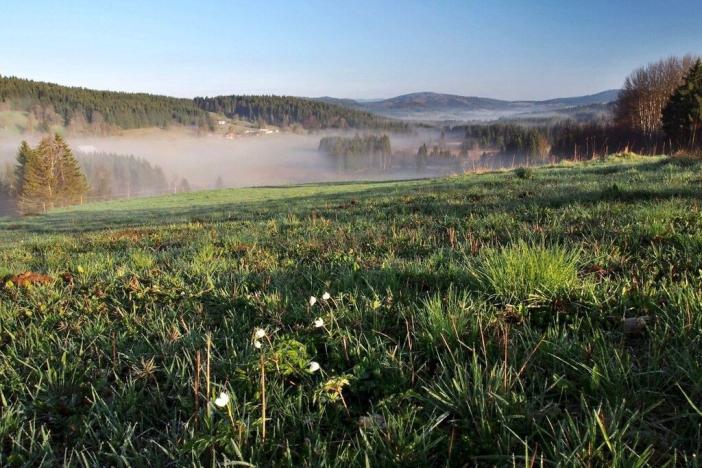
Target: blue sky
[(526, 49)]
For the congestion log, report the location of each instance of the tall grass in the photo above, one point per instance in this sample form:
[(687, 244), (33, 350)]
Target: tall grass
[(527, 272)]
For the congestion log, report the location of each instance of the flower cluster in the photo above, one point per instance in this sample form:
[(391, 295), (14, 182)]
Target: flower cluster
[(319, 321), (259, 334), (325, 297)]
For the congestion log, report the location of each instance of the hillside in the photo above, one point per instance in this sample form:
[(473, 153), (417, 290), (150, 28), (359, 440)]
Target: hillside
[(437, 106), (27, 106), (548, 317), (287, 110), (49, 105)]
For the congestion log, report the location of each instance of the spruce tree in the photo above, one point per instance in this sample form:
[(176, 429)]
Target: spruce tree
[(48, 176), (34, 180), (22, 157), (682, 116), (72, 185)]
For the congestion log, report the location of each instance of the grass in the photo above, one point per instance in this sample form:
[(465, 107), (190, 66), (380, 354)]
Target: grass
[(13, 121), (523, 273), (472, 320)]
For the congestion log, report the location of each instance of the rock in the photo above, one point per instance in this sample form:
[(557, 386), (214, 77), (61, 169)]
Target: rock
[(373, 420), (634, 326)]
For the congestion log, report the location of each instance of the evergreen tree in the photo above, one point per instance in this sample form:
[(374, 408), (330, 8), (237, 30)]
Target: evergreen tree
[(682, 117), (422, 155), (7, 179), (72, 184), (35, 185), (23, 156), (48, 176), (183, 186)]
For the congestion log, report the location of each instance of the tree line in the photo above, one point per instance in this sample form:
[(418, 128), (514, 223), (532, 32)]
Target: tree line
[(358, 152), (658, 111), (50, 175), (659, 108), (112, 175), (508, 139), (50, 105), (284, 111)]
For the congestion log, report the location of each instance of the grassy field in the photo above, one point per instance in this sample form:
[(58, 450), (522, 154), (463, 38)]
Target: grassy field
[(545, 317)]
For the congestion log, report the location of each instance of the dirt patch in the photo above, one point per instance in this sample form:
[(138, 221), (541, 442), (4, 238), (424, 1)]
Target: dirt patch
[(596, 270), (28, 278)]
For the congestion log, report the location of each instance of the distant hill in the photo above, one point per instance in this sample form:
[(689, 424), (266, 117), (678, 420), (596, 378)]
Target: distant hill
[(287, 110), (27, 105), (49, 105), (602, 97), (437, 106), (433, 101)]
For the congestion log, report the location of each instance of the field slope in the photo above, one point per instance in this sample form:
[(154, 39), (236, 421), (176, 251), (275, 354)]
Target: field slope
[(549, 317)]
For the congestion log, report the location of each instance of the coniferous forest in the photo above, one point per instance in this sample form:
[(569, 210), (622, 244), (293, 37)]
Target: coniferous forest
[(284, 111), (79, 108)]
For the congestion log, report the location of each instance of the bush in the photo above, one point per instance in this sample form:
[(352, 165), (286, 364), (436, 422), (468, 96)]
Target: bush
[(524, 172)]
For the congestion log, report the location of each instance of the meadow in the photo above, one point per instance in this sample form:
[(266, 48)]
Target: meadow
[(535, 317)]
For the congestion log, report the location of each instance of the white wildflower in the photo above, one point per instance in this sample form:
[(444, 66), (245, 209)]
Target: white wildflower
[(313, 301), (314, 366), (260, 333), (318, 322), (222, 400), (326, 296), (258, 344)]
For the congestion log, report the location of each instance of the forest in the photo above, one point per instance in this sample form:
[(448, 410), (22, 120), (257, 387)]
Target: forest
[(284, 111), (83, 109), (658, 111), (51, 104), (121, 176), (108, 176), (358, 152)]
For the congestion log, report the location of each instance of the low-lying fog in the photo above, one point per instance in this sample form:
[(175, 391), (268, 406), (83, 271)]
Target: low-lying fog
[(275, 159)]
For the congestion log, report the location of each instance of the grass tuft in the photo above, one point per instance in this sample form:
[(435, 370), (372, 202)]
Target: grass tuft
[(524, 272), (524, 172)]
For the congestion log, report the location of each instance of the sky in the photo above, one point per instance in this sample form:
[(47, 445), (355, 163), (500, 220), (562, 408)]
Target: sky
[(520, 49)]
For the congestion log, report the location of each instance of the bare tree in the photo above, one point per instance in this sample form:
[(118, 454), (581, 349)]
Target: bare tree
[(646, 92)]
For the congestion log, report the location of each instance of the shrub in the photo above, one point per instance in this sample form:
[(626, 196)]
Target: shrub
[(524, 172)]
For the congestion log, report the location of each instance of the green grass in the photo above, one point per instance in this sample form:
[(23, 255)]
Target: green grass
[(523, 273), (473, 320)]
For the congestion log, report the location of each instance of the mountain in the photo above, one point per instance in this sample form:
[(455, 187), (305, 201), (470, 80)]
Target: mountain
[(603, 97), (428, 106), (431, 101)]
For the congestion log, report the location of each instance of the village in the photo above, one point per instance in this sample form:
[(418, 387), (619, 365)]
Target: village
[(239, 129)]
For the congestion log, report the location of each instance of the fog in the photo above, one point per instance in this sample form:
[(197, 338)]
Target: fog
[(275, 159)]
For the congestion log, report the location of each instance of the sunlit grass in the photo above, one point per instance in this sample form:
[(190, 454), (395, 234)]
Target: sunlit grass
[(527, 272), (398, 324)]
